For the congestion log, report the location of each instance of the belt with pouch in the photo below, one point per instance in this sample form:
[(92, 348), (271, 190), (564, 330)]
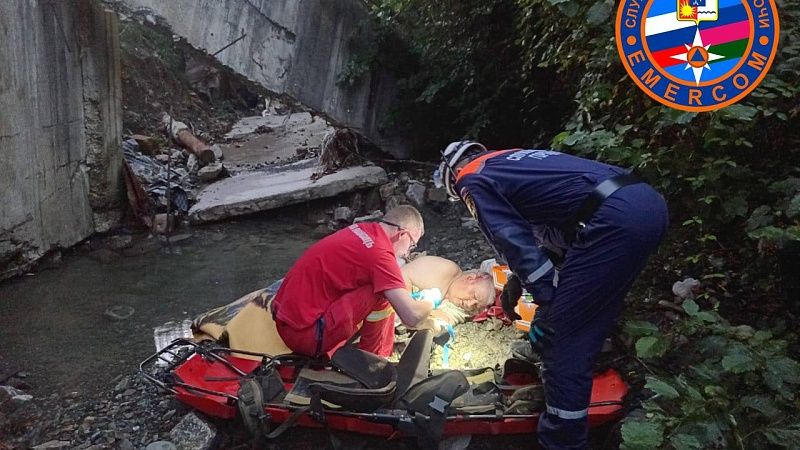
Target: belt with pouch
[(599, 194)]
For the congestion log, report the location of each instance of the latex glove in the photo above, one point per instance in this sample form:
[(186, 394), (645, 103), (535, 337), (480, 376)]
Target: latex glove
[(512, 291), (433, 295), (540, 334)]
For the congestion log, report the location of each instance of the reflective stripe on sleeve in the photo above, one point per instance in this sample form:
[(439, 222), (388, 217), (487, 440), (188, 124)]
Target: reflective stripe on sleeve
[(539, 273)]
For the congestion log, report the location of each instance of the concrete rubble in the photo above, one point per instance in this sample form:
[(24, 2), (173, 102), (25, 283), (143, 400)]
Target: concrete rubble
[(273, 139), (260, 191), (270, 161)]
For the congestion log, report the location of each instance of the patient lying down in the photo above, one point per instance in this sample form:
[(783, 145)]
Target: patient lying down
[(247, 324), (466, 293)]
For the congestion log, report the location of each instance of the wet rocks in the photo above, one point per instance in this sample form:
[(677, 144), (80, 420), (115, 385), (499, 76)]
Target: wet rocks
[(469, 223), (193, 432), (12, 398), (415, 192), (53, 445), (210, 172), (388, 189), (161, 445), (437, 195), (20, 422), (395, 201), (218, 155), (192, 164), (343, 214)]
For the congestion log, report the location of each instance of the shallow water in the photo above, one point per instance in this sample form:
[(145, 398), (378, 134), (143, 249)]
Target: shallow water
[(53, 326)]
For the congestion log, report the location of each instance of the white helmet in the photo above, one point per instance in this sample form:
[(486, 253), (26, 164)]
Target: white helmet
[(451, 156)]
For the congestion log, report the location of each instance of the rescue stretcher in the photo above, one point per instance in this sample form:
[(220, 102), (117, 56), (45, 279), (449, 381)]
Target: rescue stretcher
[(259, 381), (360, 392)]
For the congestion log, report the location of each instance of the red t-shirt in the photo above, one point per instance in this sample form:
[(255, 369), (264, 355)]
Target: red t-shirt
[(351, 258)]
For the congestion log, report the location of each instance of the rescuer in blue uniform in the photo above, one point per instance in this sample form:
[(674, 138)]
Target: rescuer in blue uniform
[(576, 233)]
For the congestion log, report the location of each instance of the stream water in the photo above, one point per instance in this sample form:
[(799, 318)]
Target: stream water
[(54, 327)]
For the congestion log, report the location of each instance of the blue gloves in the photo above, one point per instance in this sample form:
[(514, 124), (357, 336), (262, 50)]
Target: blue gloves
[(433, 295)]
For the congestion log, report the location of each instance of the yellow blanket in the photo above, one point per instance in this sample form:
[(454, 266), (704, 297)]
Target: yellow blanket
[(245, 324)]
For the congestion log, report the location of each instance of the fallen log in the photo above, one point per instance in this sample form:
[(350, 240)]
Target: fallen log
[(182, 135)]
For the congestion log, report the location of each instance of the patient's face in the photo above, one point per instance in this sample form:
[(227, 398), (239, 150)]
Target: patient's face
[(472, 291)]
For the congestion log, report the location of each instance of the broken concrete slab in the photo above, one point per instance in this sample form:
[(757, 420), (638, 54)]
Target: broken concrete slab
[(250, 125), (260, 191), (273, 139)]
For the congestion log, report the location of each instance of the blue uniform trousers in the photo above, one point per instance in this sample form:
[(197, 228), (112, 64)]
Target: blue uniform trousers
[(598, 270)]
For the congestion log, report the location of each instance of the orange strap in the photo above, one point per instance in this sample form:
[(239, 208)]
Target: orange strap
[(474, 165)]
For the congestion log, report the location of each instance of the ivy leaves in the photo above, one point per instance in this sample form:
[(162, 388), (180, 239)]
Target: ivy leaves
[(641, 435), (704, 406)]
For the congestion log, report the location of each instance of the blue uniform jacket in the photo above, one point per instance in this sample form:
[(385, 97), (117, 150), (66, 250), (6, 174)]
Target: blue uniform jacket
[(522, 199)]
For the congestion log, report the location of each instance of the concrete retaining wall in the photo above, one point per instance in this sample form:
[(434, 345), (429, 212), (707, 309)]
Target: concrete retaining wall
[(60, 156), (296, 47)]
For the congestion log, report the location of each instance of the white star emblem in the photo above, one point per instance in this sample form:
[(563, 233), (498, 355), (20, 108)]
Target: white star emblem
[(697, 57)]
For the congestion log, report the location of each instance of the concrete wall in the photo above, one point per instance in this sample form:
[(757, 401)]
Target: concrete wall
[(296, 47), (60, 157)]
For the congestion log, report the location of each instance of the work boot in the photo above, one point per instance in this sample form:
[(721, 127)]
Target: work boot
[(521, 349)]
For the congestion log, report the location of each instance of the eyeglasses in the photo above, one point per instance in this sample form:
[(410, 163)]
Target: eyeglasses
[(403, 230)]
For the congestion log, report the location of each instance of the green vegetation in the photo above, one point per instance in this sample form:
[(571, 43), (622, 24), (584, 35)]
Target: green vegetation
[(545, 73)]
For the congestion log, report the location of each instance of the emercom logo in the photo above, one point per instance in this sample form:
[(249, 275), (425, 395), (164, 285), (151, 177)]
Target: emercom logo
[(697, 55)]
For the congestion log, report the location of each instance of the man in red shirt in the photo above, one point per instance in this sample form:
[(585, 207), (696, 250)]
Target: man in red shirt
[(348, 281)]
